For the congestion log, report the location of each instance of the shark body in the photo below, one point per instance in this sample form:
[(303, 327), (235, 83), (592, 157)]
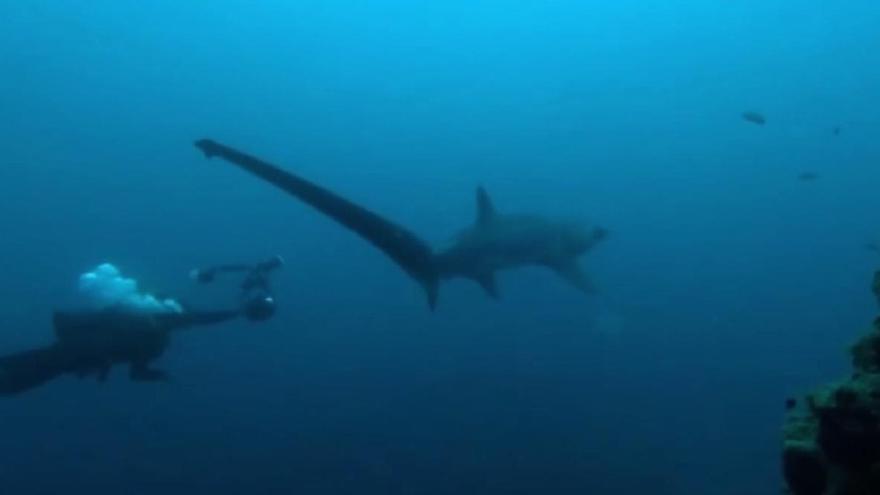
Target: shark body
[(494, 242), (499, 241)]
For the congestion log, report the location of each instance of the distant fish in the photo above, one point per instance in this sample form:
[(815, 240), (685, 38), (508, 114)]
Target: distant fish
[(872, 246), (754, 117), (808, 176), (836, 130)]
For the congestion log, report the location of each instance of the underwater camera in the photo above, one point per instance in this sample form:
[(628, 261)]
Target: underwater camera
[(259, 307)]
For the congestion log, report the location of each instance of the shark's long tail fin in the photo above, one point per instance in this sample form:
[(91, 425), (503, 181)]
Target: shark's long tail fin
[(411, 253)]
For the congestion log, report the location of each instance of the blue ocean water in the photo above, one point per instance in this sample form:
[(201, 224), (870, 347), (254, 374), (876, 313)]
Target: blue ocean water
[(726, 284)]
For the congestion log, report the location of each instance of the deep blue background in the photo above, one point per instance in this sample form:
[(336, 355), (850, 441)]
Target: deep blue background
[(727, 283)]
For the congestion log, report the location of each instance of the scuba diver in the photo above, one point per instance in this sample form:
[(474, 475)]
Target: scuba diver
[(90, 342)]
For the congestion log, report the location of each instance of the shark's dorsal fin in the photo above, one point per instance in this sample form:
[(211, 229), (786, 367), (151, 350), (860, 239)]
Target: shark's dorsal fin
[(572, 273), (485, 209), (487, 282)]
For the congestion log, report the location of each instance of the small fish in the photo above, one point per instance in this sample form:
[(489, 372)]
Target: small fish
[(808, 176), (872, 246), (836, 131), (754, 117)]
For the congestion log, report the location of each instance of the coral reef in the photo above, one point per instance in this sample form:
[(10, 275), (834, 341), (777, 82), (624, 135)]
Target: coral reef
[(831, 439)]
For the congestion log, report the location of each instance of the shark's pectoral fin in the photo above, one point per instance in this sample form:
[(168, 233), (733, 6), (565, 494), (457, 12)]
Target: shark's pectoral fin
[(488, 283), (572, 273)]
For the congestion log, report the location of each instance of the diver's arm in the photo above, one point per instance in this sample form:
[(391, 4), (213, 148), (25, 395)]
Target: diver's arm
[(206, 275), (188, 319), (230, 268)]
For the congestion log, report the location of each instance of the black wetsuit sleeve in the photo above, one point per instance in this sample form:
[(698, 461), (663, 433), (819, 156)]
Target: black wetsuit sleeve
[(229, 268), (207, 275), (189, 319)]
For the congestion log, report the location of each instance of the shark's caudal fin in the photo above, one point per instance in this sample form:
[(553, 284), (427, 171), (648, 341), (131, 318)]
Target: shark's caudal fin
[(411, 253)]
